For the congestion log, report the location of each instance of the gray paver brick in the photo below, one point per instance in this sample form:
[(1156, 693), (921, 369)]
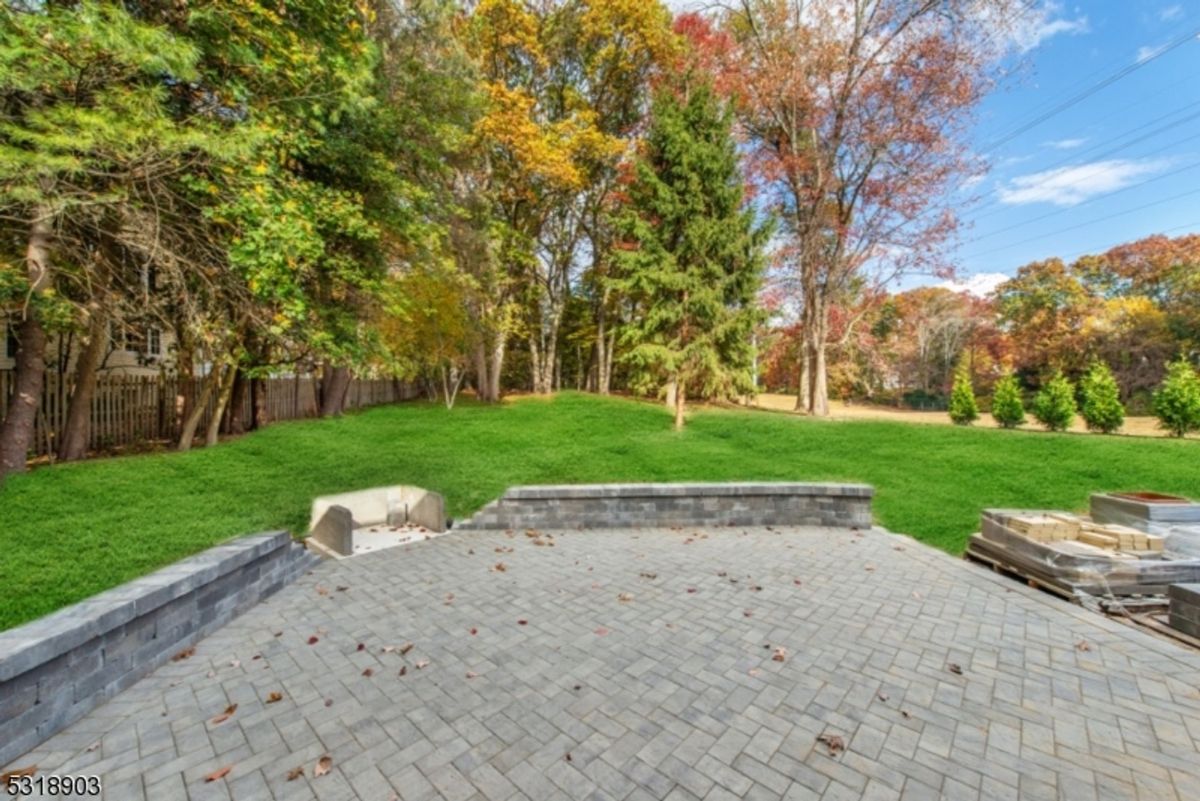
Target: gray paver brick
[(677, 697)]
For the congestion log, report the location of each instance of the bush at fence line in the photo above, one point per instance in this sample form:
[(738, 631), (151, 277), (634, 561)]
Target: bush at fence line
[(1054, 407), (1177, 400), (1007, 406)]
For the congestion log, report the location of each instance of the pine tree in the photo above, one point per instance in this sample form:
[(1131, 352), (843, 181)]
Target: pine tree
[(1101, 409), (691, 259), (963, 408), (1054, 407), (1177, 401), (1007, 406)]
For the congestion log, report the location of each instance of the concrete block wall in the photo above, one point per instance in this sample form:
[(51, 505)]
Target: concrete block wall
[(56, 669), (1184, 608), (572, 506)]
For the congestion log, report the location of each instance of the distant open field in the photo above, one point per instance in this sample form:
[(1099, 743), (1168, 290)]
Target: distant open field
[(1134, 426)]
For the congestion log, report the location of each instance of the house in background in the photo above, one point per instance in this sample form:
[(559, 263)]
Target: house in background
[(134, 349)]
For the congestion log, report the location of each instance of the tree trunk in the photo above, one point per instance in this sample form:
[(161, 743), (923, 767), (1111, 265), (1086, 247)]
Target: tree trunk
[(29, 374), (670, 392), (261, 411), (495, 369), (236, 419), (602, 347), (483, 384), (679, 401), (335, 381), (228, 378), (188, 433), (802, 390), (76, 431)]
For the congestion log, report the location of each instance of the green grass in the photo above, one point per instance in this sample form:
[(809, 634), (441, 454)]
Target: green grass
[(69, 531)]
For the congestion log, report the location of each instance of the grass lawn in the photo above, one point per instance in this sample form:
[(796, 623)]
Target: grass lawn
[(69, 531)]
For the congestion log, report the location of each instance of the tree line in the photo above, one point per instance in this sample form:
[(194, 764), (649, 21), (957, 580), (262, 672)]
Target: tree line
[(1122, 326), (511, 194)]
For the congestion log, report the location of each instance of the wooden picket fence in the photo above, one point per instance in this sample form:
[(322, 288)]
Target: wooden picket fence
[(134, 410)]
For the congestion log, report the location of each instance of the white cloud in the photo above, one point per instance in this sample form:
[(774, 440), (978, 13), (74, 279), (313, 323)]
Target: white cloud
[(1068, 186), (1171, 13), (1045, 23), (1065, 144), (1147, 52), (980, 285)]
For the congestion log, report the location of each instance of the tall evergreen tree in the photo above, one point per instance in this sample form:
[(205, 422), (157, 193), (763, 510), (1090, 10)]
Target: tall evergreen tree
[(692, 255)]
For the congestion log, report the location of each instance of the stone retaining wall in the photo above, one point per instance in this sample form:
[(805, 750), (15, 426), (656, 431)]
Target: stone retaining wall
[(57, 668), (1184, 608), (648, 505)]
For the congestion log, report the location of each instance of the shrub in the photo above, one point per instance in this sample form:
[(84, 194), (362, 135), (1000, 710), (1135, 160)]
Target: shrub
[(963, 408), (1054, 406), (1101, 409), (1177, 401), (1007, 407)]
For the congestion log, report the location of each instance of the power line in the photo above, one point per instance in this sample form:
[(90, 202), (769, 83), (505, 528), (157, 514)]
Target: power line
[(1085, 203), (1091, 90), (1083, 224)]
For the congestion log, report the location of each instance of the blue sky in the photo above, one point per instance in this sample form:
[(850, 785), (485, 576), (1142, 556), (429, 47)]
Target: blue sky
[(1075, 183)]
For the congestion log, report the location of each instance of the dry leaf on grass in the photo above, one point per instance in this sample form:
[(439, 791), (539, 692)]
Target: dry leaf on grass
[(224, 716), (833, 742), (324, 765), (218, 774), (274, 698)]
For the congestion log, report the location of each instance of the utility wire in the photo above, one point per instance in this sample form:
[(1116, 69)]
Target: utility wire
[(1091, 90)]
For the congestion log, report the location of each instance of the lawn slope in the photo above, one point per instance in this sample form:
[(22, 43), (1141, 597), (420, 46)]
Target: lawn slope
[(69, 531)]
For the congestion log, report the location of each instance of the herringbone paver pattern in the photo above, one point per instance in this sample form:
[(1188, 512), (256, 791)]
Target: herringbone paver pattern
[(643, 670)]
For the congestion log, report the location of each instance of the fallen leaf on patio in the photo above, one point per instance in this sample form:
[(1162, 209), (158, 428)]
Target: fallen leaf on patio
[(916, 595), (313, 640), (870, 568), (342, 589), (256, 656), (796, 582), (833, 742), (184, 654), (18, 773), (578, 686), (522, 622), (568, 756), (403, 670), (624, 597), (404, 649), (322, 591), (881, 695), (470, 552), (424, 663), (324, 765), (897, 547), (278, 634), (1083, 645), (646, 575), (93, 746), (361, 647), (212, 674), (226, 715), (722, 573), (601, 631), (906, 713), (531, 532), (328, 702), (955, 668), (754, 671), (499, 567), (756, 588), (295, 773), (369, 672), (235, 663), (474, 631), (747, 613), (274, 698), (779, 655), (449, 599), (691, 589), (218, 774), (472, 674)]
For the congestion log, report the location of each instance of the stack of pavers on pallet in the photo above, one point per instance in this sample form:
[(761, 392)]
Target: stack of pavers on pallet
[(1113, 552)]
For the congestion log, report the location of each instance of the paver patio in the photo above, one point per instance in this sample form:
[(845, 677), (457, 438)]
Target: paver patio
[(644, 670)]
